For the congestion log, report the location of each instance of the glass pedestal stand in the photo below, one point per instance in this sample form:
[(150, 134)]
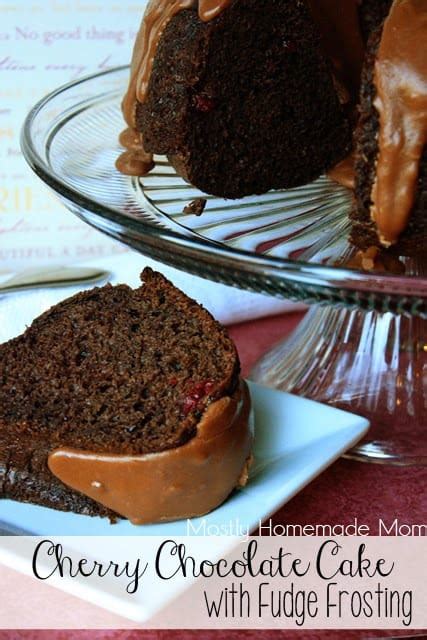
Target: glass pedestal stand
[(369, 363), (364, 350)]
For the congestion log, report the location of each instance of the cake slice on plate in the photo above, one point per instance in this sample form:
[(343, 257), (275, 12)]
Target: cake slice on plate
[(121, 401)]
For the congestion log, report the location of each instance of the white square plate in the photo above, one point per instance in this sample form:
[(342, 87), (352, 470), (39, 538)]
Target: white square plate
[(295, 440)]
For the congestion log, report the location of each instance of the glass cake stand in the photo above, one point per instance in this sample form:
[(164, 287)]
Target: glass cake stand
[(362, 345)]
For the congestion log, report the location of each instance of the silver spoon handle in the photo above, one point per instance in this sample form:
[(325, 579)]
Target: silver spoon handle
[(51, 277)]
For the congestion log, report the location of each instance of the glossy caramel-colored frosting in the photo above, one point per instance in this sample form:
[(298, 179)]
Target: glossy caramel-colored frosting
[(401, 86), (344, 172), (184, 482), (135, 161), (210, 9)]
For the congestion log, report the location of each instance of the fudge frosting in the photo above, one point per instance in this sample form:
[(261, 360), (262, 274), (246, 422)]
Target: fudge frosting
[(135, 161), (400, 78), (184, 482), (344, 173)]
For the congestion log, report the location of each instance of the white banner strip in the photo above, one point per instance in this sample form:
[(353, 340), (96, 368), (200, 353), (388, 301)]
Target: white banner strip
[(219, 582)]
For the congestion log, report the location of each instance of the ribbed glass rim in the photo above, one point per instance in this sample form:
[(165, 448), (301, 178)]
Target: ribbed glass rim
[(232, 260)]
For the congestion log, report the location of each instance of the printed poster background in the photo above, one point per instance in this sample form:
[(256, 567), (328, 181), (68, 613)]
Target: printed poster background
[(44, 44)]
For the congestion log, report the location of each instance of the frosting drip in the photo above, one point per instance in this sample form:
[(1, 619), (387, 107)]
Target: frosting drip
[(401, 84), (344, 173), (178, 483), (210, 9), (135, 161), (156, 18)]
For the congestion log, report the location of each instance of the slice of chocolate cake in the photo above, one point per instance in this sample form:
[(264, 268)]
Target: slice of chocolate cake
[(123, 401), (237, 93), (391, 137)]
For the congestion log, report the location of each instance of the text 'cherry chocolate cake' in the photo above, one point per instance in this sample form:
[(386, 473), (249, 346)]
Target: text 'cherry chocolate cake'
[(124, 402)]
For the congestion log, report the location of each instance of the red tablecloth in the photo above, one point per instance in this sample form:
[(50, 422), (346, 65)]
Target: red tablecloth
[(345, 491)]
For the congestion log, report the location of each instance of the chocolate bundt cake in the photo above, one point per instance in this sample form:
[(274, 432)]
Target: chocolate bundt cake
[(121, 401), (237, 93), (391, 137), (245, 96)]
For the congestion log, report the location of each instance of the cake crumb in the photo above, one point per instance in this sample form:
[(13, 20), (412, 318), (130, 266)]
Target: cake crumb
[(244, 476), (196, 207), (376, 259), (369, 258)]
